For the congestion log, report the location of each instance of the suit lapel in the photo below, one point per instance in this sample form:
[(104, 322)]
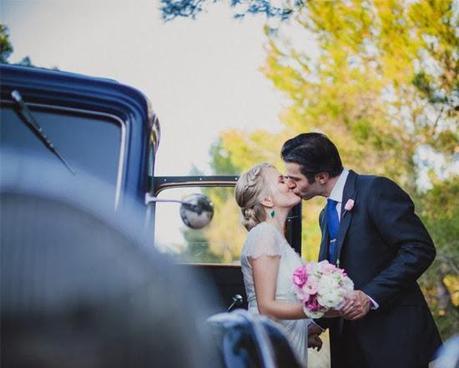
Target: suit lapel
[(346, 216), (324, 243)]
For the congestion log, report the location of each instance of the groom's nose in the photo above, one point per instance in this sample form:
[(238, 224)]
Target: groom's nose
[(291, 183)]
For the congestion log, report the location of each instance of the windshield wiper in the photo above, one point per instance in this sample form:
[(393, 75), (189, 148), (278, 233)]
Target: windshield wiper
[(26, 115)]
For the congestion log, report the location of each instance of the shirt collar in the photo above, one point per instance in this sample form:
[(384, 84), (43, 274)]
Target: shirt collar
[(338, 190)]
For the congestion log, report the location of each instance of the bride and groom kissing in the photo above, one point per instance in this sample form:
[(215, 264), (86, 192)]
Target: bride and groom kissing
[(369, 228)]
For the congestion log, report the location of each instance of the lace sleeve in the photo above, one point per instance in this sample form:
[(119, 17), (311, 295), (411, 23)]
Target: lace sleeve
[(263, 240)]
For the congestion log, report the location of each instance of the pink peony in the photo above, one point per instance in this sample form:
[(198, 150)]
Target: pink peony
[(300, 276), (301, 295), (312, 304)]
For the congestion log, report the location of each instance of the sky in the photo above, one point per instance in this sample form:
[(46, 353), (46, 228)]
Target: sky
[(201, 76)]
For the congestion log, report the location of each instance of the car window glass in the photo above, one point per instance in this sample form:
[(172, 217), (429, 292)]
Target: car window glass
[(219, 242), (88, 142)]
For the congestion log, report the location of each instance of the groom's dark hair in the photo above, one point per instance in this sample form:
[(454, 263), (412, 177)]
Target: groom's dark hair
[(315, 153)]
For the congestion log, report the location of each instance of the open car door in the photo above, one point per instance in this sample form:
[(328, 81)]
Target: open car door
[(215, 249)]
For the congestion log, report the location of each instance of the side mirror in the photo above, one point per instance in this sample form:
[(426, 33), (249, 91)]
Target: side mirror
[(196, 210)]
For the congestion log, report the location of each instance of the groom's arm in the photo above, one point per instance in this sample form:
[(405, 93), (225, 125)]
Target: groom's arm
[(322, 323), (392, 212)]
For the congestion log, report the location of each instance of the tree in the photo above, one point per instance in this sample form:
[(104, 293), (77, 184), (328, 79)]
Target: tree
[(172, 9), (361, 88), (225, 235), (6, 48), (439, 208)]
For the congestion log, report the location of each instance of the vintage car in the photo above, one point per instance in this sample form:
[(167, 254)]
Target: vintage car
[(107, 130)]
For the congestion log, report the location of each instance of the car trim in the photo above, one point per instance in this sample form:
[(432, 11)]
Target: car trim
[(167, 182)]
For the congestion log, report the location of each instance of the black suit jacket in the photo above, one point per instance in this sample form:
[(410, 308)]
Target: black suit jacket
[(384, 248)]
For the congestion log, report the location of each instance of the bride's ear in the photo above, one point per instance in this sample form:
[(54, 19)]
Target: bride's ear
[(267, 202)]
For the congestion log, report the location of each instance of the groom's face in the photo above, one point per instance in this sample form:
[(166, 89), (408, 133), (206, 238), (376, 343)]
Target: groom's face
[(299, 184)]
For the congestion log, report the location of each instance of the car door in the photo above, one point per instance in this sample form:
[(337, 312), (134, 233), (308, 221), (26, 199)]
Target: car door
[(214, 251)]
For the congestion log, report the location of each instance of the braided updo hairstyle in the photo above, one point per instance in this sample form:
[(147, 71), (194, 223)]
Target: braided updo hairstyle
[(250, 188)]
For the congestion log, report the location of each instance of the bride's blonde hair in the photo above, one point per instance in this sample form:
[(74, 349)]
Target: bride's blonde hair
[(250, 189)]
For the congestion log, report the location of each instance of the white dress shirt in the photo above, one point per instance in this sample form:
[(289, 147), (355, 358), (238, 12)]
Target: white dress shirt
[(338, 191)]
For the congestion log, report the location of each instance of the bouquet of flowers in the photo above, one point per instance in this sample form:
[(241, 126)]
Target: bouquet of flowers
[(320, 287)]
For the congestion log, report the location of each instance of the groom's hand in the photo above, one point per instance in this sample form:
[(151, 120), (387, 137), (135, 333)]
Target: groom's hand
[(315, 342), (356, 306), (314, 329)]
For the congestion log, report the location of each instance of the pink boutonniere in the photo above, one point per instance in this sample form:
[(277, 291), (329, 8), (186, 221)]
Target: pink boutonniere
[(349, 205)]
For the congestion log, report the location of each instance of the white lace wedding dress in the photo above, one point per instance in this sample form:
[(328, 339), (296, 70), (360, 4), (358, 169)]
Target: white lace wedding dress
[(265, 239)]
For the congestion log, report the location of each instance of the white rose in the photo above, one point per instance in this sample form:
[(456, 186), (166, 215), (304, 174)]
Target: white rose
[(347, 284), (314, 315), (328, 283), (331, 299)]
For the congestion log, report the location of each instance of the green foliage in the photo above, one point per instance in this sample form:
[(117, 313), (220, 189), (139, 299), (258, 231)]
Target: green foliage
[(198, 248), (6, 48), (439, 209), (221, 162), (225, 234), (171, 9)]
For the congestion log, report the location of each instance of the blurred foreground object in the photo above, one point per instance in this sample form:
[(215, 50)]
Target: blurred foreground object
[(448, 355), (247, 340), (79, 289)]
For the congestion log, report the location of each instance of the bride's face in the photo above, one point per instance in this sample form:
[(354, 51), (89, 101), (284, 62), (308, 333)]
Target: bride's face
[(280, 192)]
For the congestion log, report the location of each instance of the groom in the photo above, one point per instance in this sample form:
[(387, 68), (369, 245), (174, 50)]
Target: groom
[(369, 228)]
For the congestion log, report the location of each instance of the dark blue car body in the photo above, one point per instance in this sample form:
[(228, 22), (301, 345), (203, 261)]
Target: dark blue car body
[(108, 131), (73, 95)]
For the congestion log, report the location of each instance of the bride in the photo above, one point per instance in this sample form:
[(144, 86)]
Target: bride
[(267, 260)]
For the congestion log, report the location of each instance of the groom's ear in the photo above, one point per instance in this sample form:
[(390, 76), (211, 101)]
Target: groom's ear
[(322, 177)]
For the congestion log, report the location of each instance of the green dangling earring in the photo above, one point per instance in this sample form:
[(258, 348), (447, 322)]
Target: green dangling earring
[(273, 213)]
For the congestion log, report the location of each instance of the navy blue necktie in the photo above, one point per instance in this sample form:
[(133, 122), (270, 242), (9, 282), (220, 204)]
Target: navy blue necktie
[(332, 227)]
